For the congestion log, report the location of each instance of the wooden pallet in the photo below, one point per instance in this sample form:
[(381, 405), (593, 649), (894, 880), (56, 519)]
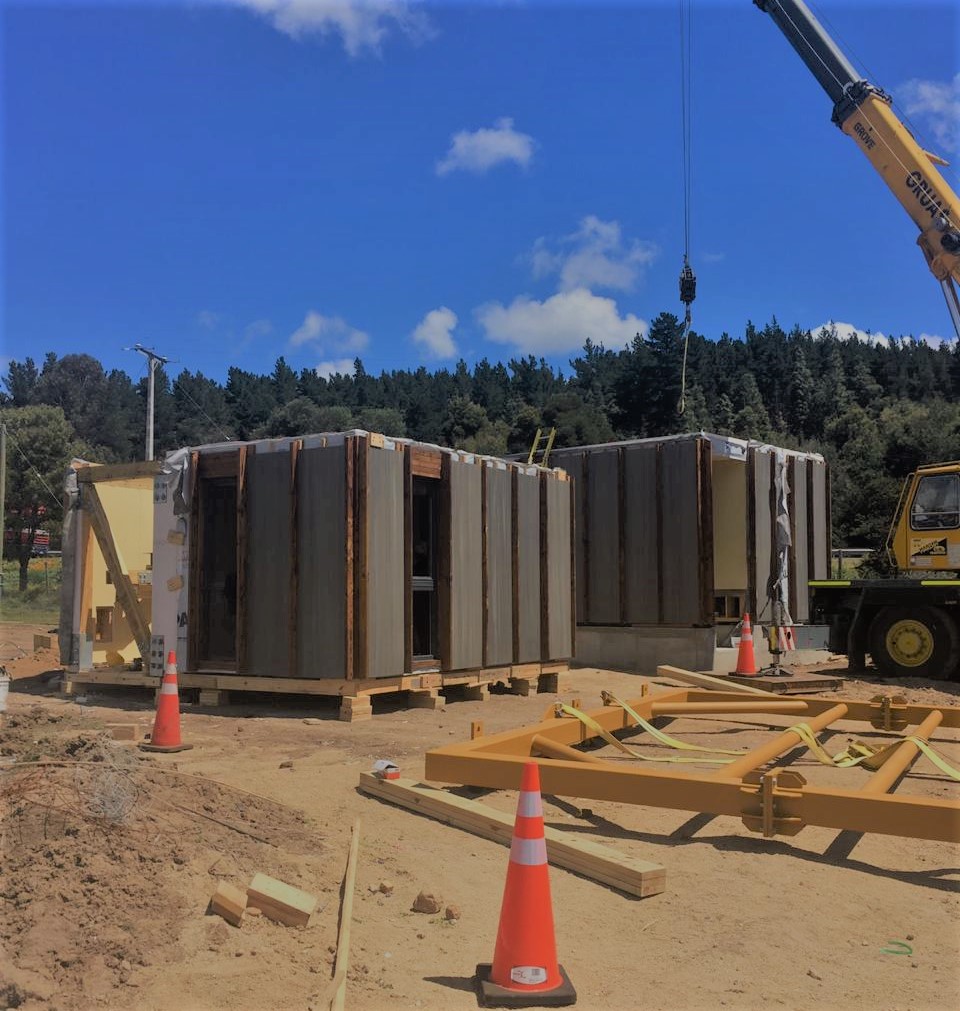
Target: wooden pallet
[(792, 684), (422, 690)]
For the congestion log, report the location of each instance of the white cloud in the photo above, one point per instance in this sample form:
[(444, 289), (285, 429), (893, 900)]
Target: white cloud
[(934, 340), (328, 332), (207, 319), (480, 150), (361, 24), (847, 331), (258, 328), (593, 256), (937, 103), (339, 367), (434, 332), (560, 323)]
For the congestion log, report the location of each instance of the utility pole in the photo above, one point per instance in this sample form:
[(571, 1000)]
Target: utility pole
[(3, 499), (153, 360)]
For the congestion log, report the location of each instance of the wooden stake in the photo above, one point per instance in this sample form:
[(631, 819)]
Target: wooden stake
[(339, 983)]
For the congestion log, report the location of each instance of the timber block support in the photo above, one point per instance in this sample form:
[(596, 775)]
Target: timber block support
[(476, 693), (355, 708), (212, 697), (425, 698)]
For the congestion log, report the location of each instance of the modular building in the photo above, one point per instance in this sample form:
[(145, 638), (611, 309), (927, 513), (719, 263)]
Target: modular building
[(342, 564), (677, 537)]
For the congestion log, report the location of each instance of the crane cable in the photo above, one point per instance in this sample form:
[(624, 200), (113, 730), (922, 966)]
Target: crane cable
[(688, 280)]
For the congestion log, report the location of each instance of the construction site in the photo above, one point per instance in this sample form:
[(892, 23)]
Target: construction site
[(513, 711)]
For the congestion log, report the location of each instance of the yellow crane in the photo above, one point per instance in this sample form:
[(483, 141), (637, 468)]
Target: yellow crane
[(910, 623), (863, 112)]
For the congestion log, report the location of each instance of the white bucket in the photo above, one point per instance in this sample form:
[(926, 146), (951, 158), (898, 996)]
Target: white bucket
[(4, 688)]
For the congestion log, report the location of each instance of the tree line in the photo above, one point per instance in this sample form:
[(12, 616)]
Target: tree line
[(875, 410)]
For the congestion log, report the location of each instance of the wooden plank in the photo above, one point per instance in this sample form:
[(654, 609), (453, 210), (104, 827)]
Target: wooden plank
[(242, 628), (591, 859), (341, 961), (294, 604), (349, 648), (280, 901), (100, 524), (703, 680), (425, 462), (223, 464), (118, 471)]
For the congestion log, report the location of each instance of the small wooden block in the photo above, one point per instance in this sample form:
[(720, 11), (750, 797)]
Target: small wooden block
[(282, 903), (426, 698), (355, 708), (229, 902), (124, 731)]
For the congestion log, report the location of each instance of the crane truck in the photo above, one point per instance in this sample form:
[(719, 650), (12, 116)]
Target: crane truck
[(909, 623)]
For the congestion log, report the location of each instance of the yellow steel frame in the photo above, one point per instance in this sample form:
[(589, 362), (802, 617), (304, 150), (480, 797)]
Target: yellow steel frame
[(769, 800)]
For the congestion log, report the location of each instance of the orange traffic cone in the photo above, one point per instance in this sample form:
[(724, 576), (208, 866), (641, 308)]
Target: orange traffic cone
[(746, 662), (525, 972), (166, 724)]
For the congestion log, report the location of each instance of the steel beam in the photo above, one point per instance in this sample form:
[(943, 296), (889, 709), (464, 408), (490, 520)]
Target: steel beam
[(884, 779)]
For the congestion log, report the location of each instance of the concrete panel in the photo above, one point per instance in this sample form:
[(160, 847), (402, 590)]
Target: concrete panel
[(499, 568), (321, 583), (681, 550), (559, 625), (641, 649), (268, 564), (466, 574), (528, 567), (641, 546), (573, 465), (603, 561), (800, 597), (385, 581), (761, 534), (821, 535)]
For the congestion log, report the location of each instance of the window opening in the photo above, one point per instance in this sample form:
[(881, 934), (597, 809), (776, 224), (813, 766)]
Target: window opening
[(936, 506)]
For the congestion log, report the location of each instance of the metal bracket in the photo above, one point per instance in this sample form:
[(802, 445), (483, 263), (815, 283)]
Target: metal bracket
[(892, 712), (765, 817)]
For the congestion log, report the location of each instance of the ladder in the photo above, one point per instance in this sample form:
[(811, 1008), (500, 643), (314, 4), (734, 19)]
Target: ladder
[(545, 440)]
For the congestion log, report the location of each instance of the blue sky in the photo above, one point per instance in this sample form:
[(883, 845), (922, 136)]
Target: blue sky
[(237, 180)]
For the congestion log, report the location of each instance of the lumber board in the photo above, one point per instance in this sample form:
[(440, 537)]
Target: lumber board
[(118, 471), (342, 959), (121, 581), (594, 860), (705, 680)]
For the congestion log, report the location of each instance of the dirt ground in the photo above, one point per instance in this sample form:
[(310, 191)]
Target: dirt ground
[(109, 860)]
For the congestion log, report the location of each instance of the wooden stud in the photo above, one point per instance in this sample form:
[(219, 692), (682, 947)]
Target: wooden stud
[(349, 646), (705, 529), (242, 630), (621, 537), (194, 632), (293, 616), (660, 559), (484, 566), (407, 561), (361, 545)]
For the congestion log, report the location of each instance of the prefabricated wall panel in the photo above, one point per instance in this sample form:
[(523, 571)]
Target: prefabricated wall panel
[(268, 563), (383, 567), (526, 540), (680, 534), (557, 621), (466, 565), (322, 562), (819, 511), (641, 535), (603, 535), (760, 524), (800, 533), (324, 542), (575, 465), (499, 567)]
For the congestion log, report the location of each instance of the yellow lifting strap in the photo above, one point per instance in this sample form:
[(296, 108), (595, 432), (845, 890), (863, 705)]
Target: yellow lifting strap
[(670, 742), (591, 723), (871, 757)]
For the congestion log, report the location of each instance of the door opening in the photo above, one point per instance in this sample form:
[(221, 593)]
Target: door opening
[(424, 515)]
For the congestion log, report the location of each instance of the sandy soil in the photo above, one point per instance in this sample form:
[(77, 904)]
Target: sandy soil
[(109, 861)]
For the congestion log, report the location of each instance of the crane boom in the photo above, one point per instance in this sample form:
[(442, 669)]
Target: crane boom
[(863, 112)]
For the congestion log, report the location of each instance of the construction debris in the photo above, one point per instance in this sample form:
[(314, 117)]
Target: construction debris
[(280, 902), (229, 902)]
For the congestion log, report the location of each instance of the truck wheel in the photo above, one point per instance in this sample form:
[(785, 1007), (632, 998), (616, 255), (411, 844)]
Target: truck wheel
[(914, 642)]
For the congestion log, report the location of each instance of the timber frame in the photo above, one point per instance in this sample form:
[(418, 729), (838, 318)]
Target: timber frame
[(770, 800)]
